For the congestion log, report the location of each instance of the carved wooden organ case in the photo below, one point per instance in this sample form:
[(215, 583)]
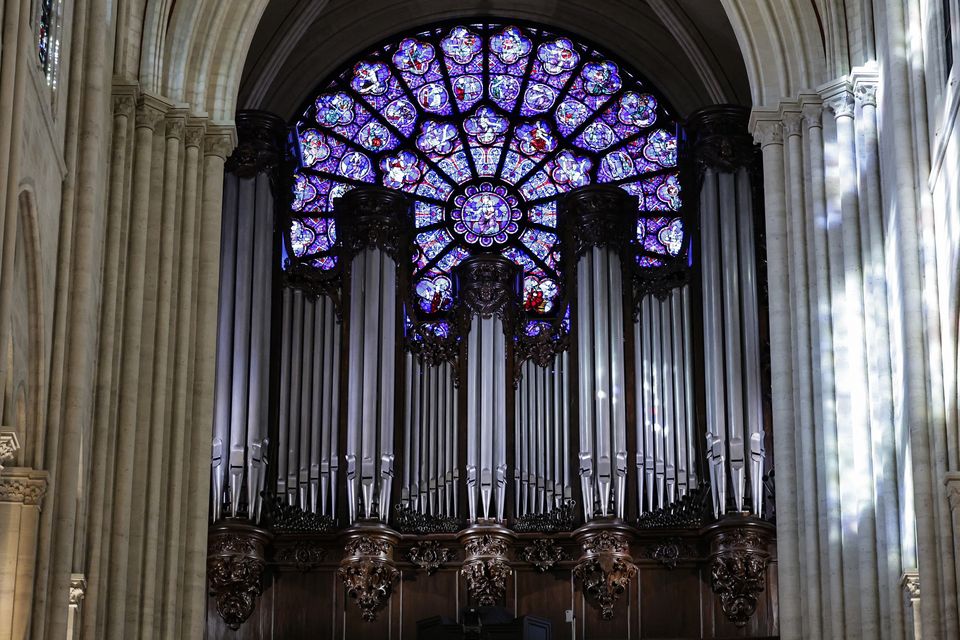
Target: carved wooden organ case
[(606, 468)]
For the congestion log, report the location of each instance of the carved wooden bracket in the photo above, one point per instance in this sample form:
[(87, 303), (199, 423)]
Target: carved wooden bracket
[(543, 554), (429, 555), (367, 569), (738, 565), (486, 567), (606, 568), (235, 564)]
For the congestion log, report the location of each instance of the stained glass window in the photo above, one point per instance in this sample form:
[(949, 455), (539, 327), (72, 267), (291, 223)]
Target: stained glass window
[(485, 126), (48, 39)]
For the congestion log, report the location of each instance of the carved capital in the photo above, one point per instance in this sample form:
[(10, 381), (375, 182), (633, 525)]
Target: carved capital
[(371, 217), (865, 93), (487, 284), (235, 565), (738, 566), (720, 139), (195, 132), (367, 568), (176, 127), (792, 123), (219, 141), (768, 132), (149, 114), (429, 555), (597, 216), (78, 589), (9, 445), (910, 583), (543, 554), (842, 104), (23, 486), (124, 105), (951, 480), (485, 566), (812, 115), (605, 567), (261, 137)]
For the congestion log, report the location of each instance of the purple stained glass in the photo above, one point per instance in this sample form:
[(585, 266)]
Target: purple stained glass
[(485, 214), (485, 127)]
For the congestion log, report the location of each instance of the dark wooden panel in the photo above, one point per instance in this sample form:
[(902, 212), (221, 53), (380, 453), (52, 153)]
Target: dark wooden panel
[(425, 597), (546, 595), (667, 609)]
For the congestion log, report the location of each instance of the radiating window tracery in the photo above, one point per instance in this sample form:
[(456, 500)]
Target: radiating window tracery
[(485, 126)]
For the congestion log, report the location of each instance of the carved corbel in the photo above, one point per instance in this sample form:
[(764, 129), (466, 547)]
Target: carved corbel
[(606, 568), (367, 569), (738, 566), (236, 559), (371, 217), (485, 566)]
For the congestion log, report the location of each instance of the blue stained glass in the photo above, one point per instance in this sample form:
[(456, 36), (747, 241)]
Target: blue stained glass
[(534, 139), (462, 45), (430, 245), (485, 126), (426, 213), (545, 214)]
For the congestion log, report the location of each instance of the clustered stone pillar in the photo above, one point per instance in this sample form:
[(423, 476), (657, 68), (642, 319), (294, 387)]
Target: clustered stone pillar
[(370, 225)]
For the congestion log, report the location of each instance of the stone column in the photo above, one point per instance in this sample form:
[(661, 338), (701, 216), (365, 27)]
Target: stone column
[(21, 496), (370, 223)]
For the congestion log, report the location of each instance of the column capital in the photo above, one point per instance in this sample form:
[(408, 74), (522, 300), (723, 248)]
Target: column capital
[(952, 482), (768, 132), (866, 93), (23, 486), (78, 589), (371, 217), (195, 132), (838, 97), (261, 138), (150, 113), (865, 80), (220, 140), (9, 445), (176, 124), (793, 123), (910, 583), (812, 113)]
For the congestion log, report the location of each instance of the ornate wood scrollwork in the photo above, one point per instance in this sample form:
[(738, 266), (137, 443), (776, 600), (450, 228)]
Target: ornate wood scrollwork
[(543, 554), (720, 139), (606, 568), (261, 137), (235, 564), (738, 566), (487, 284), (371, 217), (486, 567), (597, 216), (304, 555), (367, 569), (429, 555)]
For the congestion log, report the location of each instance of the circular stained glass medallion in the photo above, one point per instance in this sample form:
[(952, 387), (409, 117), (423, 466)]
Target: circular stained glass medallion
[(485, 214)]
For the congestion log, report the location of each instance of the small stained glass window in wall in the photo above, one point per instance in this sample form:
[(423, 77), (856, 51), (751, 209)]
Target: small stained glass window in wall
[(48, 39)]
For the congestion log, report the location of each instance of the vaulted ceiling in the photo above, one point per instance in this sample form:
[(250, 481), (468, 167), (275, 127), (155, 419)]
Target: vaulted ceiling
[(686, 48)]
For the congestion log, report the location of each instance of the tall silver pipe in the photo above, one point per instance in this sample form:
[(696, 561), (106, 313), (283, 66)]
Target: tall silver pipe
[(585, 353), (500, 422), (408, 461), (473, 426), (369, 389), (669, 423), (688, 386), (618, 409), (680, 409), (565, 424), (354, 384), (416, 421), (656, 358), (296, 362), (334, 404), (602, 387), (753, 411), (306, 406), (649, 416), (385, 394)]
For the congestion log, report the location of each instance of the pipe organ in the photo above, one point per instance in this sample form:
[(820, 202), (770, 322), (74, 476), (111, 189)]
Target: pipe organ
[(618, 431)]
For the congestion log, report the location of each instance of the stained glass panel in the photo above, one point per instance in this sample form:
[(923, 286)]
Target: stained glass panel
[(485, 127)]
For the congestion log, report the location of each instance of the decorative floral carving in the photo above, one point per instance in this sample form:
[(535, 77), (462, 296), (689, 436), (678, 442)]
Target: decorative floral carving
[(408, 520), (720, 139), (9, 445), (658, 282), (304, 555), (669, 552), (370, 583), (78, 589), (561, 518), (685, 513), (368, 573), (235, 564), (910, 581), (738, 570), (543, 554), (486, 568), (486, 580), (429, 555), (23, 486), (432, 349), (261, 141), (597, 216), (287, 518), (371, 217), (487, 284), (605, 569)]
